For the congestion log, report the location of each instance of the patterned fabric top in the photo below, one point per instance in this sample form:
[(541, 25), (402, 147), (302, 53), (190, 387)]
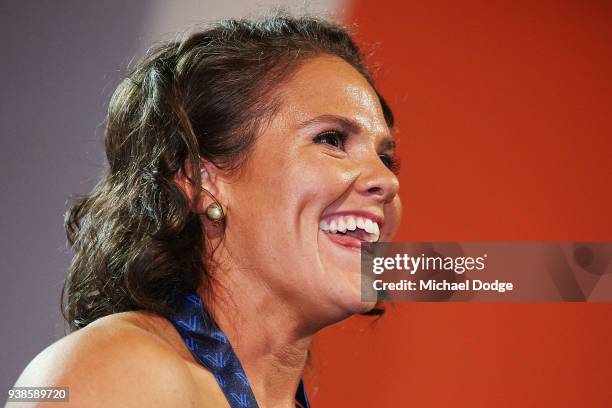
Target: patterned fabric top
[(212, 349)]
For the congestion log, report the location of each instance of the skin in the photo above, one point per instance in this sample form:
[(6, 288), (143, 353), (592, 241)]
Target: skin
[(273, 260)]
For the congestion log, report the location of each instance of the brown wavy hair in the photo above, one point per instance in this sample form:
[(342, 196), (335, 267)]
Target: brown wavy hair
[(137, 243)]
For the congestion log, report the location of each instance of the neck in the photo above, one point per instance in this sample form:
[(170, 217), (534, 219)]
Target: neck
[(265, 333)]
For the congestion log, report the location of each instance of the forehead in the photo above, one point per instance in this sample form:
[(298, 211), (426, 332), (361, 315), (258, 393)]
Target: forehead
[(327, 85)]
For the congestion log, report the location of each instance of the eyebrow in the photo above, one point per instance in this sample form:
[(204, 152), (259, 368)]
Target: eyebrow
[(387, 143)]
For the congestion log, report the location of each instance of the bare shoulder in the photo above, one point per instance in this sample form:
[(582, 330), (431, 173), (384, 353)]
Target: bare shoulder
[(116, 361)]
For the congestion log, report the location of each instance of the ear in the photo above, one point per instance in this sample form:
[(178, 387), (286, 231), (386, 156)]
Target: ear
[(210, 184)]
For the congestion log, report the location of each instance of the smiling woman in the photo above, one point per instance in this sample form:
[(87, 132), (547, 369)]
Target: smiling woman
[(247, 163)]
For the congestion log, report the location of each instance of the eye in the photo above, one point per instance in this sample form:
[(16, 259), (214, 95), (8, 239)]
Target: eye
[(392, 163), (332, 138)]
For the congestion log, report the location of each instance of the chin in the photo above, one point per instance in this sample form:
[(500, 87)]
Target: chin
[(363, 307), (349, 302)]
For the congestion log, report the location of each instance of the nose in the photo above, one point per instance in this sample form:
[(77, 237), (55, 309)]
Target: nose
[(377, 181)]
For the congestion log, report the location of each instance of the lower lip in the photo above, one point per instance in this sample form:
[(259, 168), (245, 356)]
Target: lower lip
[(345, 241)]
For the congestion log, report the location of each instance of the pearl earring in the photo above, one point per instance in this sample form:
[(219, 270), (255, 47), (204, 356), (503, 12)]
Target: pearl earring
[(214, 212)]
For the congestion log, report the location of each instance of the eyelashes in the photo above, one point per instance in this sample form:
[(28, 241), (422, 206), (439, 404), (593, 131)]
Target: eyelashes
[(337, 140), (392, 163), (332, 138)]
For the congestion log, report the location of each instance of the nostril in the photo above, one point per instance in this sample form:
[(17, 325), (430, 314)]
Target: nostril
[(375, 190)]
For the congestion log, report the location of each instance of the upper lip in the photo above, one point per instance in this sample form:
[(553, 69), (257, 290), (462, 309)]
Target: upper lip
[(378, 219)]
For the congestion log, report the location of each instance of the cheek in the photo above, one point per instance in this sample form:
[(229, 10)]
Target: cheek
[(322, 181), (284, 194), (322, 177)]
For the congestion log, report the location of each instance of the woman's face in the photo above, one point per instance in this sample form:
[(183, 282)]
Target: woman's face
[(317, 183)]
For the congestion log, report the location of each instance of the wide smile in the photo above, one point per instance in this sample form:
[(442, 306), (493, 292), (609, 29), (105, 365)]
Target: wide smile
[(350, 230)]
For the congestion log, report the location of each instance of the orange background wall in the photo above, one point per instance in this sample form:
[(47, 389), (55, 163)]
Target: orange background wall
[(504, 122)]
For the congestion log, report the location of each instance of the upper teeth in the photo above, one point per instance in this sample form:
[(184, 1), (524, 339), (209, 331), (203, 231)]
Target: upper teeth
[(351, 223)]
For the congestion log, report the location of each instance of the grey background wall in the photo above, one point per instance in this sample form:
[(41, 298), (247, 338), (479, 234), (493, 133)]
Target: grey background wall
[(60, 62)]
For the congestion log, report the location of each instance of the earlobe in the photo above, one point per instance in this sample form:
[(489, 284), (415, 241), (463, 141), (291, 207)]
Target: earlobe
[(199, 195), (209, 175), (214, 210), (212, 202)]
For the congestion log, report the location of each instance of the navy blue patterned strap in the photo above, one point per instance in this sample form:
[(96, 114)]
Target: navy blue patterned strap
[(212, 349)]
